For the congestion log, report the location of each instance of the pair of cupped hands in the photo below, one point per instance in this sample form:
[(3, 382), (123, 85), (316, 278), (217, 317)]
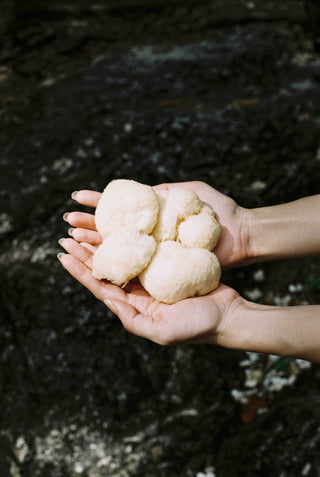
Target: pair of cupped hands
[(203, 319)]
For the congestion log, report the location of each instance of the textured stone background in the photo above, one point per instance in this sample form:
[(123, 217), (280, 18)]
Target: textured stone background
[(225, 92)]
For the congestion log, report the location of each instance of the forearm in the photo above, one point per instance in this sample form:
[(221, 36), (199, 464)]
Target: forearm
[(286, 331), (284, 231)]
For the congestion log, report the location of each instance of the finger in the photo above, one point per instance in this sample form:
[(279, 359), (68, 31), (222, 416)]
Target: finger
[(85, 235), (132, 320), (77, 250), (89, 198), (140, 299), (80, 219), (82, 273), (90, 247)]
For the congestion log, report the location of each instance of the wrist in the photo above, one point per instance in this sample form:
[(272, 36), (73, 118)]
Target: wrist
[(249, 326), (259, 235), (231, 332), (259, 329), (284, 331), (247, 251)]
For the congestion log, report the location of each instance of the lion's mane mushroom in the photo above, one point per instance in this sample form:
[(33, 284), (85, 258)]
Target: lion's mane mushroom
[(128, 204), (201, 230), (123, 255), (176, 272), (175, 206), (165, 237)]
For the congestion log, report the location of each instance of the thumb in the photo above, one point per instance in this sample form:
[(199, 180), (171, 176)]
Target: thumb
[(120, 308), (132, 320)]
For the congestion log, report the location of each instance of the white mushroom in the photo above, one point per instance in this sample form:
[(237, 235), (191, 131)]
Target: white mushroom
[(174, 208), (126, 203), (176, 272), (164, 237), (123, 255), (201, 230)]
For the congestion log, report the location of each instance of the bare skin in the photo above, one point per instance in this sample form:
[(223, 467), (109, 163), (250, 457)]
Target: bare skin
[(222, 317), (285, 231)]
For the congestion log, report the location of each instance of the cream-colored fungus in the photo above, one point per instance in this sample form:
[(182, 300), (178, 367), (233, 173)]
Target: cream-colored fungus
[(165, 237)]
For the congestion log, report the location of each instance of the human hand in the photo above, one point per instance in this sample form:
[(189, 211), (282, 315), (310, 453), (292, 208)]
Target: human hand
[(232, 248), (205, 319)]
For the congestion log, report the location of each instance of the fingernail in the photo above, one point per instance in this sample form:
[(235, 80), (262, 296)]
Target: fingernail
[(59, 255), (74, 195), (61, 240), (111, 306), (65, 216), (70, 231)]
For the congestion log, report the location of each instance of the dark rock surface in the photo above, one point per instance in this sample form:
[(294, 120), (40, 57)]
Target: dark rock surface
[(156, 94)]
